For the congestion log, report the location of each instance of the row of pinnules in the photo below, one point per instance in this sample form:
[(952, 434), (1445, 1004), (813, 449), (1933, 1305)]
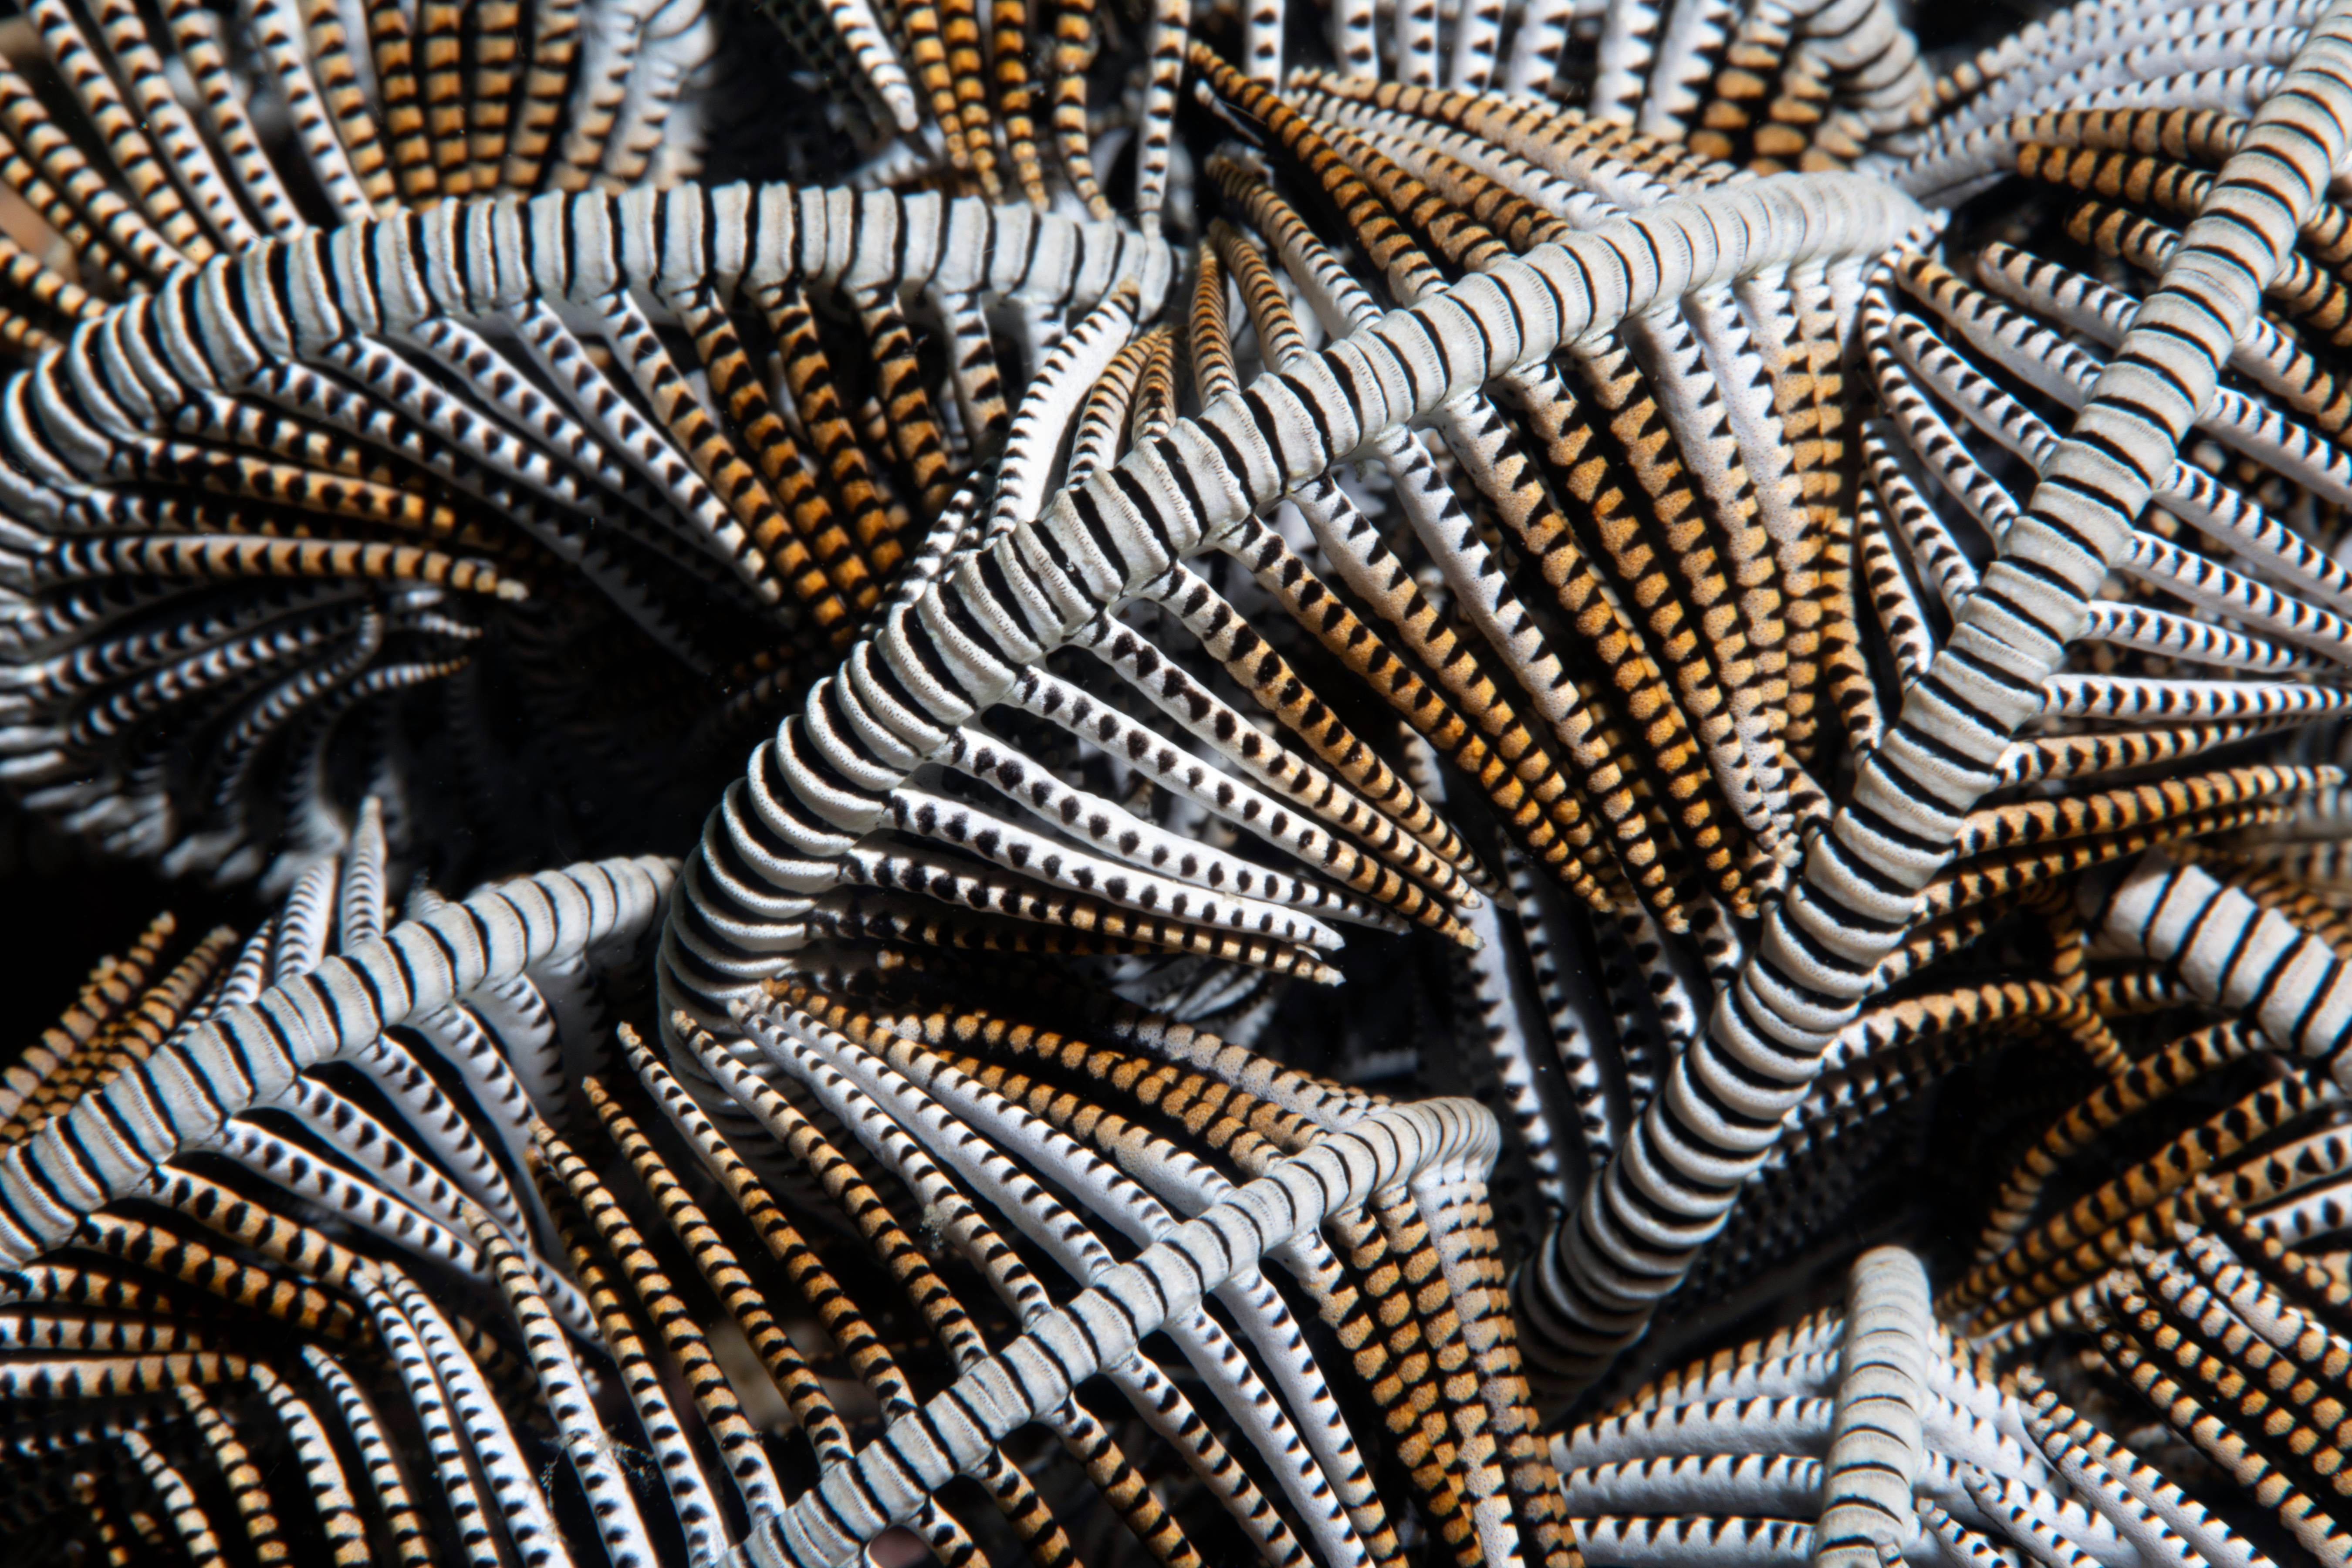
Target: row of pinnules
[(1278, 748)]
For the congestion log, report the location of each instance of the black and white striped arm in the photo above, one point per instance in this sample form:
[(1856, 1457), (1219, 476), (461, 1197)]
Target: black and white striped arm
[(893, 1476), (108, 1142), (1868, 1436), (2234, 954), (822, 785), (568, 509), (1668, 1190)]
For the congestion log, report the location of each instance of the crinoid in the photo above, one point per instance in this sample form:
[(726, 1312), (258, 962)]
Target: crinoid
[(1791, 610), (223, 1168), (169, 1099), (258, 567), (206, 584)]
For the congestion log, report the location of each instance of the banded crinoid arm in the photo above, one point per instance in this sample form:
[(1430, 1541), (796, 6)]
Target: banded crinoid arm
[(997, 101), (1107, 1083), (1866, 1434), (2233, 1338), (1805, 85), (1666, 1193), (1369, 571), (2006, 978), (946, 1115), (951, 1325), (1795, 601), (1944, 353), (2207, 1315), (926, 1107), (204, 1438), (2275, 1152), (180, 647), (420, 1174), (551, 95), (1095, 875), (274, 1236), (1568, 1067), (1468, 194), (1032, 1377), (429, 467), (2097, 56), (2238, 952), (105, 1142), (1519, 45), (975, 636), (1588, 730), (2235, 591), (2231, 1092), (771, 820), (1671, 437)]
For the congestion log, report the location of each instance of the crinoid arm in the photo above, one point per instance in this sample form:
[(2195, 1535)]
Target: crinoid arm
[(1497, 782)]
